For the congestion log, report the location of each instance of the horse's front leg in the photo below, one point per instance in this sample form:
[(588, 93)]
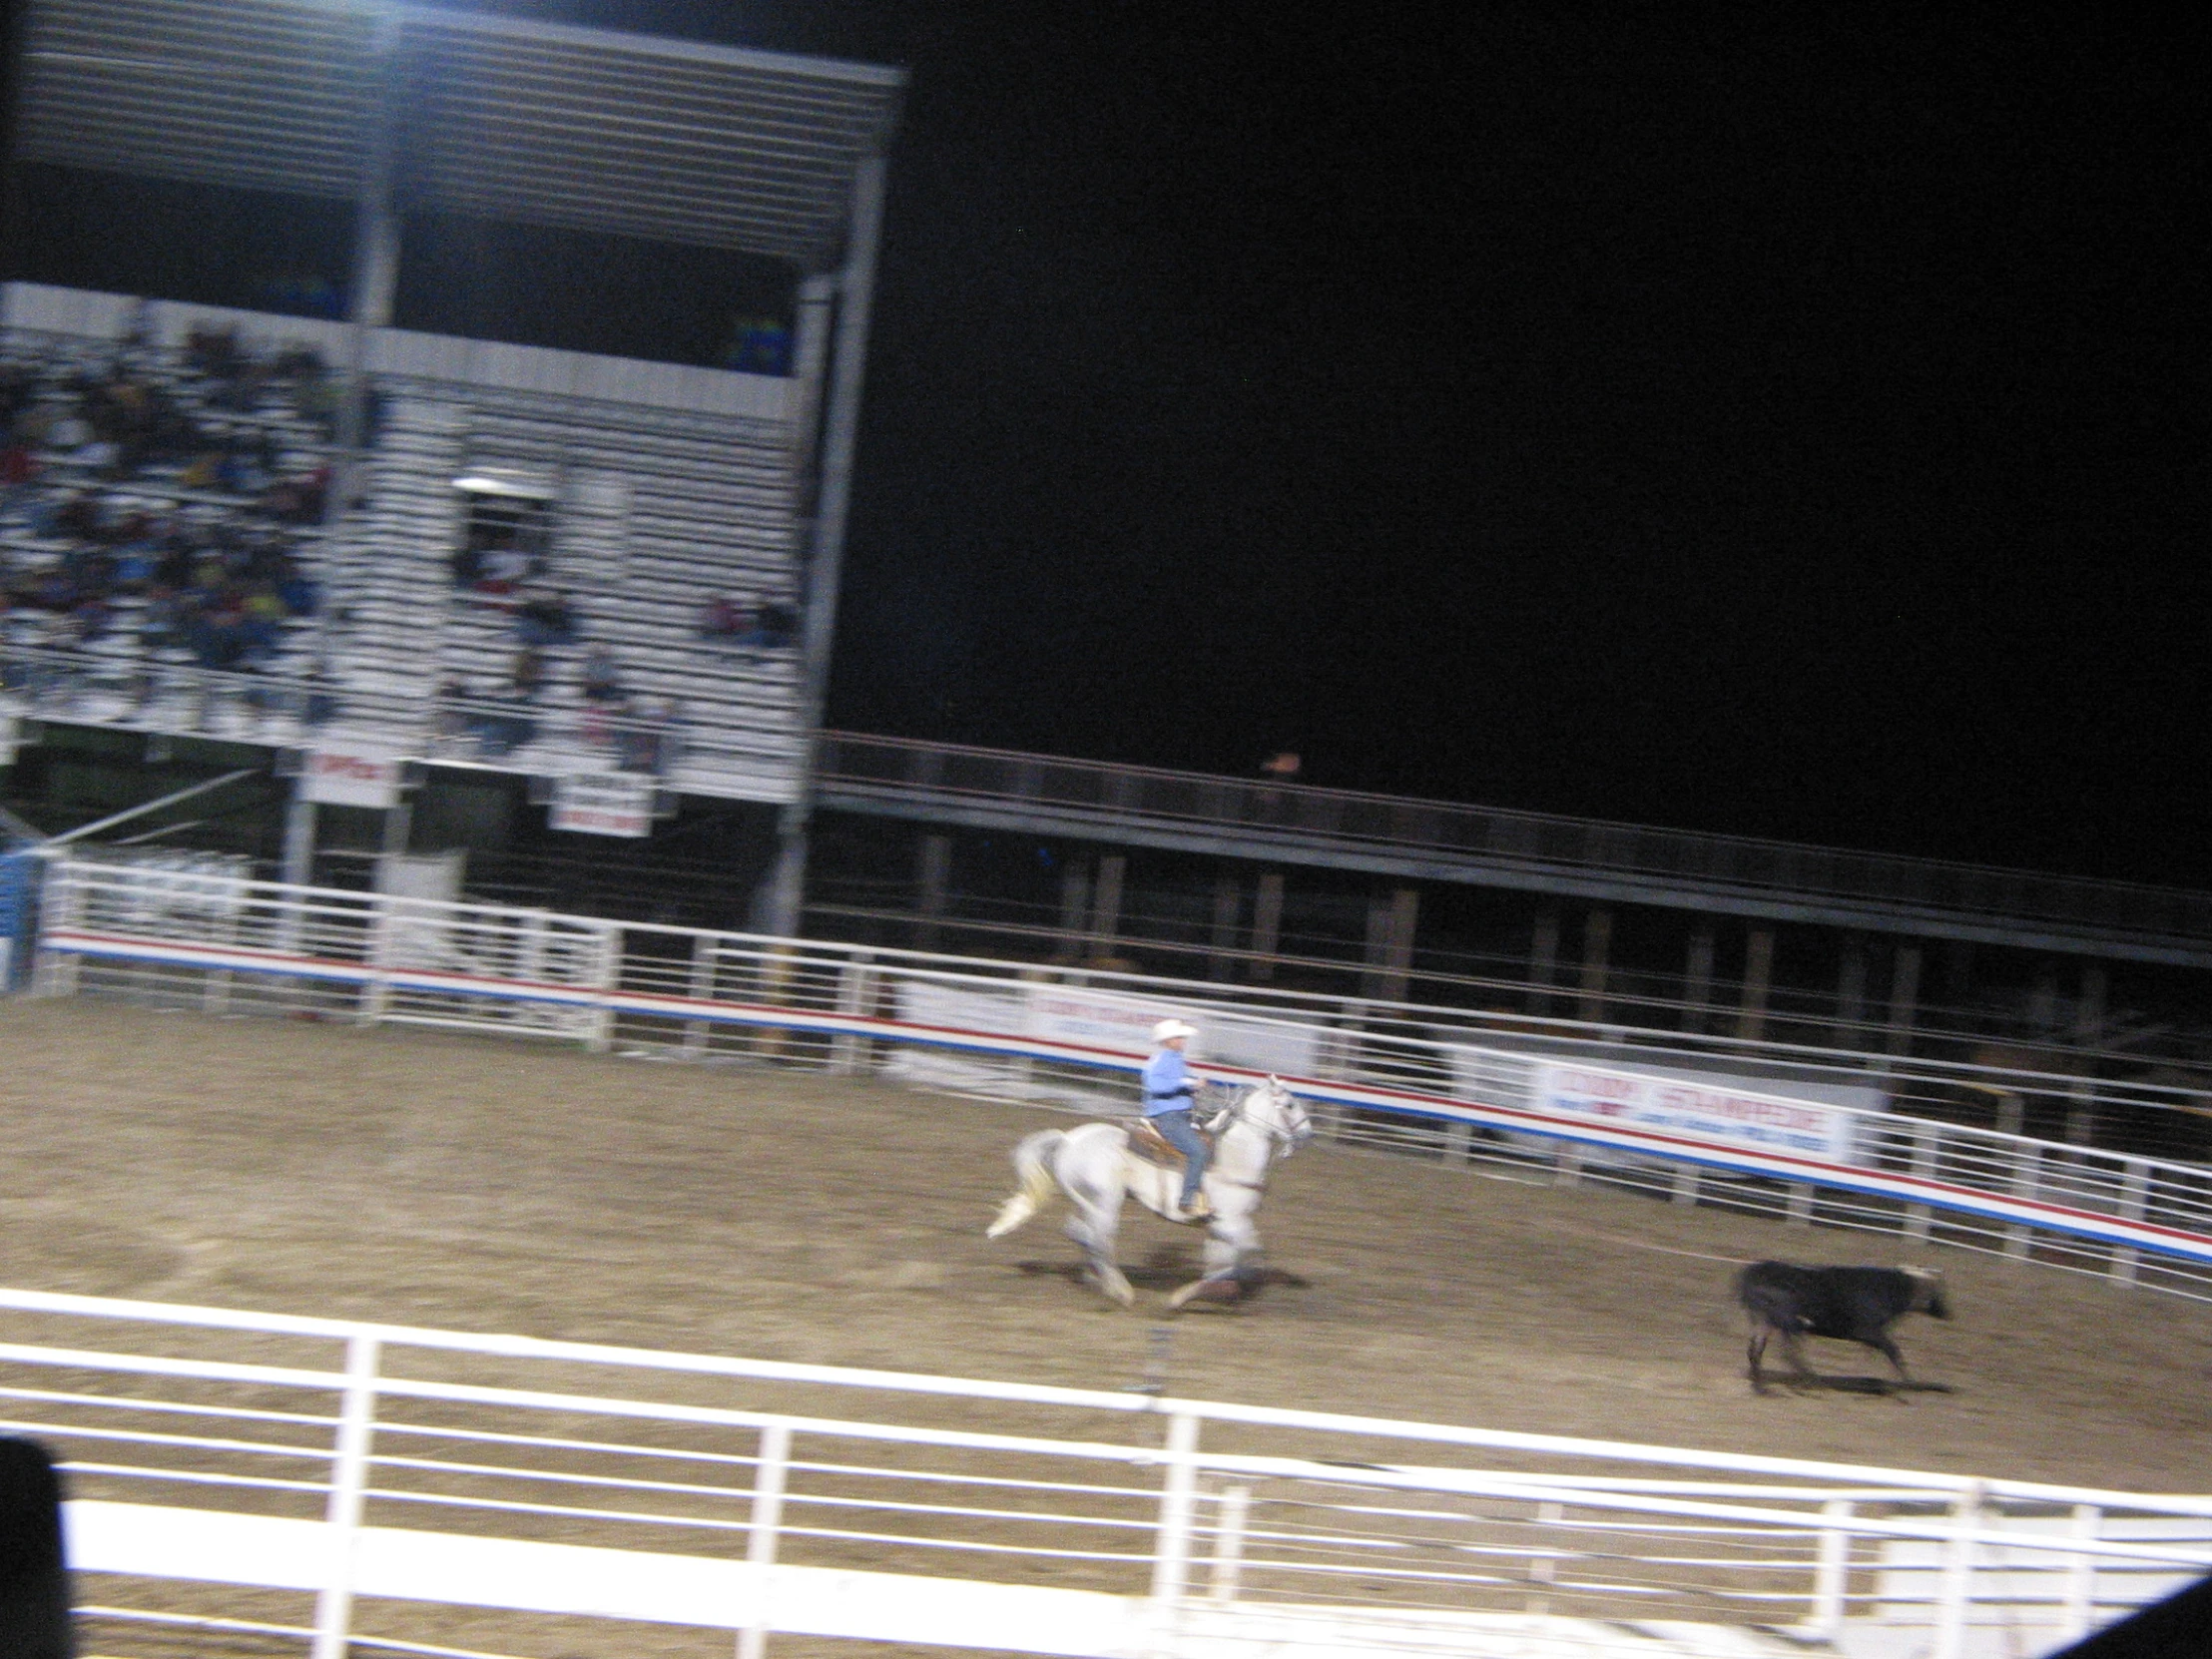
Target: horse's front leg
[(1092, 1224), (1231, 1241)]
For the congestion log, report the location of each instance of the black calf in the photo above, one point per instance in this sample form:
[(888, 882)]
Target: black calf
[(1850, 1305)]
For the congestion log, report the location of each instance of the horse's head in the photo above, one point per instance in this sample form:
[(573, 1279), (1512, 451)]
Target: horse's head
[(1281, 1113)]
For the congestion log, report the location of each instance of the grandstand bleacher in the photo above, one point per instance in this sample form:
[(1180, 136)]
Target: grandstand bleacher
[(670, 485)]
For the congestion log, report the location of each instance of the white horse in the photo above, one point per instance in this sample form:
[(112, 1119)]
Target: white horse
[(1094, 1166)]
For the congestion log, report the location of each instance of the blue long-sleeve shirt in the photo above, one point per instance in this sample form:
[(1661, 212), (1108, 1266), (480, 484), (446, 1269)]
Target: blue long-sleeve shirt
[(1168, 1084)]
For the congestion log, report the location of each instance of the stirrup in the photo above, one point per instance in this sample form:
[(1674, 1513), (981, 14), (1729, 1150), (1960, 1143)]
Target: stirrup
[(1191, 1217)]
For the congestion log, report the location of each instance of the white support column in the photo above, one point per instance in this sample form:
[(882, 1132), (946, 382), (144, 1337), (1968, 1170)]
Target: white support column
[(334, 1608), (783, 892), (300, 825)]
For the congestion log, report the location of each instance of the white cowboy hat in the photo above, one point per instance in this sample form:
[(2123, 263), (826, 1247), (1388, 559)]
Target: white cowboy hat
[(1172, 1028)]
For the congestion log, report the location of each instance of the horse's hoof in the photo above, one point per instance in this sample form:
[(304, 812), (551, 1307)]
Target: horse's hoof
[(1217, 1292)]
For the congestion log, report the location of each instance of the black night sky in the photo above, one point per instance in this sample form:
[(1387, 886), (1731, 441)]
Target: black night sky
[(1784, 420)]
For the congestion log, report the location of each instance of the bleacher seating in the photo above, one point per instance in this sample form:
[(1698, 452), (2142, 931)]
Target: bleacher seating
[(658, 509)]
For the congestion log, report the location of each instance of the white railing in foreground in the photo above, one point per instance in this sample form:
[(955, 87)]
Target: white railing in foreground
[(442, 1470), (1383, 1075)]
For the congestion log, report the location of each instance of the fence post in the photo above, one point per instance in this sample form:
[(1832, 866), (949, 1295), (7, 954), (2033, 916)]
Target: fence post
[(2134, 1190), (856, 992), (1800, 1212), (1229, 1533), (698, 987), (2027, 1176), (2077, 1607), (376, 988), (1918, 1216), (1831, 1568), (61, 908), (1171, 1558), (1566, 1163), (1685, 1184), (1954, 1590), (760, 1545), (334, 1607), (599, 1035)]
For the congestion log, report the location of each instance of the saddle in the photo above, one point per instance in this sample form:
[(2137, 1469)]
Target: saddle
[(1153, 1147)]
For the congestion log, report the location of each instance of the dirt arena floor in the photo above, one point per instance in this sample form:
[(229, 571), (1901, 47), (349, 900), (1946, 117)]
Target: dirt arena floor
[(499, 1186)]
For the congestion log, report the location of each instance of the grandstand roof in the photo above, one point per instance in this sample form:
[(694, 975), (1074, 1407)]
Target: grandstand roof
[(533, 123)]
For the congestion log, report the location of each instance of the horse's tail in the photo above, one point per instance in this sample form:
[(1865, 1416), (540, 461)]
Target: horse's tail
[(1033, 1170)]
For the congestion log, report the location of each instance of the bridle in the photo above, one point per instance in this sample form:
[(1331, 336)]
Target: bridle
[(1282, 1139)]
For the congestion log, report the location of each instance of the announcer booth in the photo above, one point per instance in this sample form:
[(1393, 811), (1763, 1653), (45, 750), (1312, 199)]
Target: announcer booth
[(398, 117)]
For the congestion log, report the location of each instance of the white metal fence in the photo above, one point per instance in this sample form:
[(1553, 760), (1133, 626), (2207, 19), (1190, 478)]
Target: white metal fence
[(1401, 1078), (419, 1473)]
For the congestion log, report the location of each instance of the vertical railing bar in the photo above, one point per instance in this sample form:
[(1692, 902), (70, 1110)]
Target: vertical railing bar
[(1955, 1588), (699, 986), (1229, 1535), (1171, 1557), (2078, 1607), (759, 1547), (1831, 1568), (333, 1610)]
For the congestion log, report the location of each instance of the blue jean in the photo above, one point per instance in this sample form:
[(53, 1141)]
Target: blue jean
[(1176, 1129)]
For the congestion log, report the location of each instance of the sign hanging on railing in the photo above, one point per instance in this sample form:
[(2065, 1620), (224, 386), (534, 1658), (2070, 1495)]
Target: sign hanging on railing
[(355, 776), (603, 803), (1703, 1111)]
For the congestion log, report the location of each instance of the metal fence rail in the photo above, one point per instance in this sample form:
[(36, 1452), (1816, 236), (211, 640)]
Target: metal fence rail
[(430, 1469), (897, 767), (1388, 1076)]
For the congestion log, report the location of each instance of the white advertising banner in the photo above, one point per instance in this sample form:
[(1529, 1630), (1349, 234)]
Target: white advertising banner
[(351, 777), (603, 803), (1096, 1019), (1698, 1110), (962, 1007), (1123, 1024)]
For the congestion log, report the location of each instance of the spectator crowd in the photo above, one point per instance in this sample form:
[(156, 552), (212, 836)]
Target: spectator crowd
[(168, 505)]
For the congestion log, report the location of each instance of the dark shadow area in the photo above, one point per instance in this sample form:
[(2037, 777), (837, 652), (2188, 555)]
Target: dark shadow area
[(1166, 1268), (1847, 1385), (577, 291), (206, 245)]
